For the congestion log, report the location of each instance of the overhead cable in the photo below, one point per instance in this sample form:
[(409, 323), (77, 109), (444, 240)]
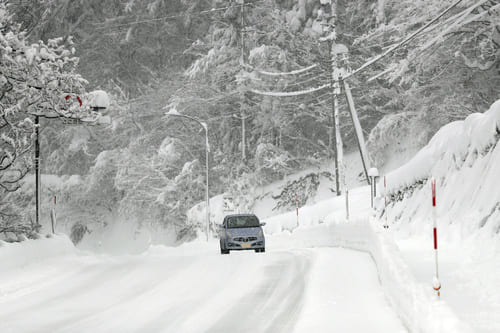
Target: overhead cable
[(290, 93), (208, 11), (404, 41), (294, 72)]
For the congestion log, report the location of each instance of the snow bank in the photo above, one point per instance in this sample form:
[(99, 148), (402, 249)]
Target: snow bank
[(324, 224), (464, 158), (121, 237), (18, 255), (459, 141), (326, 211), (414, 302)]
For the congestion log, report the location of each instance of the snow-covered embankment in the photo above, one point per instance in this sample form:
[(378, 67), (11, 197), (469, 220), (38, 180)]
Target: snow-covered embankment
[(464, 158)]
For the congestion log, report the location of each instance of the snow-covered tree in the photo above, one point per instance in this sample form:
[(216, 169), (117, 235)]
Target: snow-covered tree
[(34, 80)]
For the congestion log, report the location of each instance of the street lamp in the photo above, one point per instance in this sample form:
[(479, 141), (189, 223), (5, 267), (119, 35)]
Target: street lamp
[(175, 113), (97, 101)]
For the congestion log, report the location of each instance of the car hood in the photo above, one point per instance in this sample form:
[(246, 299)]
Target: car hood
[(244, 232)]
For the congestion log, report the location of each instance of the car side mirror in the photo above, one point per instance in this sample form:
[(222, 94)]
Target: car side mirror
[(263, 224)]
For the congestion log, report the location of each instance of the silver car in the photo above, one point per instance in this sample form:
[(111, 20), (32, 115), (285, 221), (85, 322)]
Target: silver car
[(241, 232)]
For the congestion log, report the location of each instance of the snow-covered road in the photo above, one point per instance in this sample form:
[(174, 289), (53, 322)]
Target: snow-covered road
[(195, 289)]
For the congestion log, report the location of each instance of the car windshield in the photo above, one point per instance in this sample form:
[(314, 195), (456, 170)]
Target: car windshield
[(242, 222)]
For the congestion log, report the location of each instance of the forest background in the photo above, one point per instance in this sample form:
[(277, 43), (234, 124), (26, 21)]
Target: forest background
[(204, 58)]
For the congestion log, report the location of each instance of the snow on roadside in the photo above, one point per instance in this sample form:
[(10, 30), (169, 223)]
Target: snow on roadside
[(464, 158), (325, 225), (18, 255), (414, 302), (326, 211)]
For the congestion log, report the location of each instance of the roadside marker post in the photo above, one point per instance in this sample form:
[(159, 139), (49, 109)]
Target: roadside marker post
[(435, 282), (386, 226), (297, 206), (53, 216), (347, 203)]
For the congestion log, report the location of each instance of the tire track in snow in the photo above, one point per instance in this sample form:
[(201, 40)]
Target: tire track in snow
[(275, 304), (59, 304)]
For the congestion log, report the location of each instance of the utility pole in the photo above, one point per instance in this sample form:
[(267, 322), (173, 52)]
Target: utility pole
[(340, 69), (37, 172), (242, 3), (243, 117), (329, 35), (243, 132), (334, 134)]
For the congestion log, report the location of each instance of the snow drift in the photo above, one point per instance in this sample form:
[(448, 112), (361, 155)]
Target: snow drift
[(413, 301), (464, 158), (18, 255)]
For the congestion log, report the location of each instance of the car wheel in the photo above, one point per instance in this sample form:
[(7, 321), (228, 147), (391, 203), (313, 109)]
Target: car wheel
[(263, 249), (222, 249)]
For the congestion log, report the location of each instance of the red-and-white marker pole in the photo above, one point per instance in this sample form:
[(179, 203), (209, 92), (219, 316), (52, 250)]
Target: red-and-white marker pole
[(297, 206), (435, 283)]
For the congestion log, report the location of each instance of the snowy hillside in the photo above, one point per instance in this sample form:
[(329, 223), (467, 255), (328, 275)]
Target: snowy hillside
[(464, 158)]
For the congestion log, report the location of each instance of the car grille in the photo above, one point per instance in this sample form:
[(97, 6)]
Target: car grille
[(245, 239)]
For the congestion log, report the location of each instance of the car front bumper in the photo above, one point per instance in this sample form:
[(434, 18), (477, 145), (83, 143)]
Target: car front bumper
[(245, 244)]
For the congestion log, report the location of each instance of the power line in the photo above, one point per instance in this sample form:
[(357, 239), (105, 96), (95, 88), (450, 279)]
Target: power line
[(294, 72), (404, 41), (199, 13), (317, 78), (291, 93)]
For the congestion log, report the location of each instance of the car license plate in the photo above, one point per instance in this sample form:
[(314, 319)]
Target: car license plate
[(245, 245)]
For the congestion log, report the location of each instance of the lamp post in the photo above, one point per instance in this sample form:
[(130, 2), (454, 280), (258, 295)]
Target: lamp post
[(97, 101), (175, 113)]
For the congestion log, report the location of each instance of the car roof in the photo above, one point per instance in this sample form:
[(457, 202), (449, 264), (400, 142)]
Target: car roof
[(233, 215)]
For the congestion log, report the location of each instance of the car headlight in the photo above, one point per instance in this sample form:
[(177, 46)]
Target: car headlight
[(229, 234), (260, 233)]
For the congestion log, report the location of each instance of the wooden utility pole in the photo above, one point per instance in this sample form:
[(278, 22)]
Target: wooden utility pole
[(340, 69), (38, 187), (333, 135), (328, 23), (243, 117)]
